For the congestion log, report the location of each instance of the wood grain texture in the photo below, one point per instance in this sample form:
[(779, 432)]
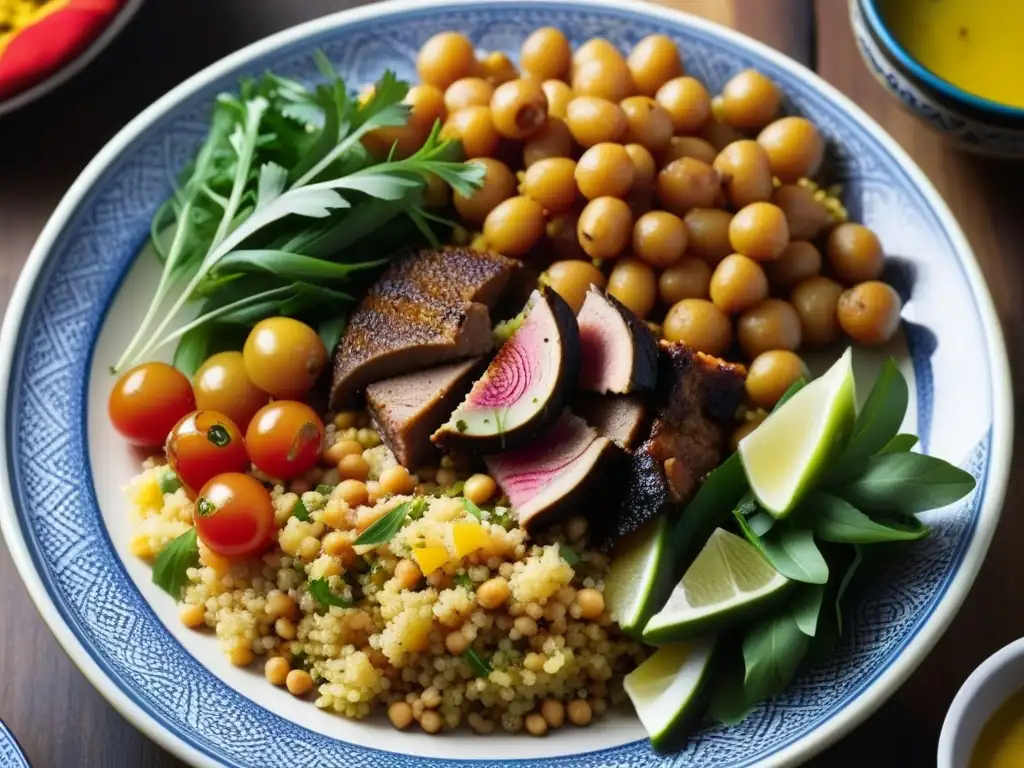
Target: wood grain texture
[(59, 718)]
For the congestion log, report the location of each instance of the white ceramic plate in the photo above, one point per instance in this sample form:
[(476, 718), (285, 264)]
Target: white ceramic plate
[(65, 521)]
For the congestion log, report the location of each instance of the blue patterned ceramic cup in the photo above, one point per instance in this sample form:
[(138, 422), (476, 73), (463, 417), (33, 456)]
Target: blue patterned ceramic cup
[(971, 122)]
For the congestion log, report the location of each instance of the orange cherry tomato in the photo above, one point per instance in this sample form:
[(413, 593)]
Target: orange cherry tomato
[(147, 401), (221, 384), (204, 444), (284, 357), (284, 439), (234, 515)]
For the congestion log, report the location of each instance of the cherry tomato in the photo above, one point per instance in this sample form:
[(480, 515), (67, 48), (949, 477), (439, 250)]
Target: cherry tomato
[(204, 444), (234, 515), (285, 438), (221, 384), (284, 357), (147, 401)]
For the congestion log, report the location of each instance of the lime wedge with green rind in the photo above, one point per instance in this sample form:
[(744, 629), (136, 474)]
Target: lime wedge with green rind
[(636, 564), (729, 582), (788, 453), (669, 690)]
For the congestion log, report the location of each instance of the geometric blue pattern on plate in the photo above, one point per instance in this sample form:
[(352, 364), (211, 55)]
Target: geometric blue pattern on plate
[(11, 755), (47, 445)]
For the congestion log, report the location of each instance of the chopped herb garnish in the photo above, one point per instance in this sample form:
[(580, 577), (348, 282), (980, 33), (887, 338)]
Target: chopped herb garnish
[(299, 510), (569, 554), (170, 570), (169, 482), (321, 591), (473, 509), (463, 580), (325, 489), (218, 435), (477, 663), (385, 527), (417, 508), (461, 425), (455, 489)]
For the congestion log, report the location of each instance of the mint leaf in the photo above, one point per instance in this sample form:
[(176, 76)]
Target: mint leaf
[(907, 483), (171, 565), (836, 520), (321, 591)]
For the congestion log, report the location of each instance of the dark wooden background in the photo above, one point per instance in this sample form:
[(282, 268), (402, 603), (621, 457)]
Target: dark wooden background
[(58, 717)]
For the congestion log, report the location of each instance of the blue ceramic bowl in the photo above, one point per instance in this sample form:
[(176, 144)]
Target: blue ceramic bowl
[(969, 121)]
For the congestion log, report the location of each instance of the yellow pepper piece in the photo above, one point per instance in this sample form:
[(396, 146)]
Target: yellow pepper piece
[(429, 559), (467, 537), (149, 496)]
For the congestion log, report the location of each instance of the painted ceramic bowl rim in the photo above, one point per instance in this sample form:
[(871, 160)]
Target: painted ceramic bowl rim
[(967, 700), (887, 681), (877, 25), (77, 64)]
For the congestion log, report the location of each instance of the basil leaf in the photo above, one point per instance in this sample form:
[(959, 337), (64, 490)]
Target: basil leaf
[(772, 651), (789, 550), (844, 584), (729, 704), (907, 483), (479, 665), (299, 510), (836, 520), (878, 421), (472, 508), (169, 482), (171, 565), (321, 591), (385, 527), (807, 608), (902, 443)]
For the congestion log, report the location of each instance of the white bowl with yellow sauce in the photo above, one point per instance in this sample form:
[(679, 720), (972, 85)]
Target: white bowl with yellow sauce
[(955, 64), (984, 727)]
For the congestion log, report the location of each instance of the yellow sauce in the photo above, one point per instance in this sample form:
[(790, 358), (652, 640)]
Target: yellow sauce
[(977, 45), (1001, 744)]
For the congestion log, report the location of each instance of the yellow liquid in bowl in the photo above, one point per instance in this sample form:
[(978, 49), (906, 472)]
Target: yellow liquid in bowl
[(1001, 744), (977, 45)]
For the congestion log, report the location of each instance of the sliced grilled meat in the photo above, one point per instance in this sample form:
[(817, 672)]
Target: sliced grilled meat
[(689, 437), (620, 418), (619, 352), (408, 408), (428, 308)]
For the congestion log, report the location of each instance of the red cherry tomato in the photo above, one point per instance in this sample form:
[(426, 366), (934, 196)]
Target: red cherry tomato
[(234, 515), (204, 444), (147, 401), (285, 438)]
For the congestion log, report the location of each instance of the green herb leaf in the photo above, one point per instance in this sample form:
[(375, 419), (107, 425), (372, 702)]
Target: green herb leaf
[(321, 591), (273, 179), (299, 510), (218, 435), (907, 483), (836, 520), (330, 332), (772, 652), (729, 704), (170, 569), (417, 508), (569, 554), (205, 507), (472, 508), (291, 266), (385, 527), (902, 443), (791, 551), (169, 482), (479, 665), (844, 584), (878, 421), (324, 489), (760, 523), (807, 608), (463, 580)]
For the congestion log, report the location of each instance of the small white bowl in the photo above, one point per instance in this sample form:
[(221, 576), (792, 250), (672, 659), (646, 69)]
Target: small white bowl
[(997, 679)]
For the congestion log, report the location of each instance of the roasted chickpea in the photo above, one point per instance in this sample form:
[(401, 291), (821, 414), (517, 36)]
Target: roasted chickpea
[(559, 95), (514, 226), (571, 279), (737, 284), (760, 231), (687, 102), (551, 182), (746, 173), (749, 100), (546, 54), (595, 49), (445, 58), (519, 108), (604, 227), (718, 134), (647, 123), (634, 284), (653, 62), (643, 167), (699, 324), (499, 184), (689, 279), (687, 183), (687, 146), (816, 301), (870, 312), (592, 120), (605, 78), (605, 169), (659, 238), (497, 68), (772, 373), (854, 253), (426, 105), (562, 241), (794, 146), (772, 324), (805, 215), (551, 140), (707, 232), (468, 92), (798, 261), (474, 127)]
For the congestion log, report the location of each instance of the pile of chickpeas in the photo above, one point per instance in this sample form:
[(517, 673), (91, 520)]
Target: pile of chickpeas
[(699, 213)]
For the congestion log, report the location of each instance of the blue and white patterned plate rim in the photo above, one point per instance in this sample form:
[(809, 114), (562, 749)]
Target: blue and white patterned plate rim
[(876, 690), (11, 754)]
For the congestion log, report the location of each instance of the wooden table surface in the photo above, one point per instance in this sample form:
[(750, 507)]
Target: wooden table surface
[(62, 721)]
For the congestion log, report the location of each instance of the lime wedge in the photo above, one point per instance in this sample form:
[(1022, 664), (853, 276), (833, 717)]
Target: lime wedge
[(785, 456), (668, 691), (728, 582), (636, 563)]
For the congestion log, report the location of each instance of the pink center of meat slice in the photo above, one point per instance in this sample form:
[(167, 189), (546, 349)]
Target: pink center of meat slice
[(595, 350), (562, 446), (514, 370)]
